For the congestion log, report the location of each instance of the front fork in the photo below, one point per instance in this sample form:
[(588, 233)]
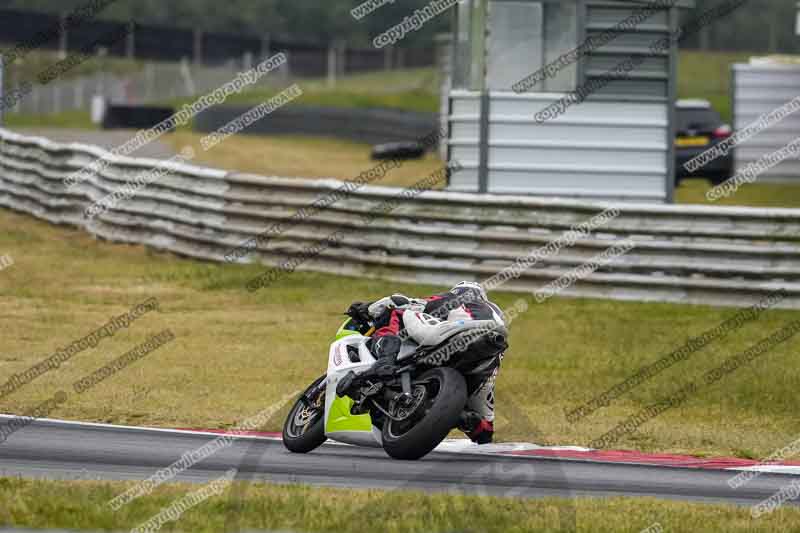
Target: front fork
[(312, 396), (405, 382)]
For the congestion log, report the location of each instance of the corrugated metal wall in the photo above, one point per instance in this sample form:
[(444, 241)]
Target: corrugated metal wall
[(598, 148), (616, 144), (759, 90), (651, 78)]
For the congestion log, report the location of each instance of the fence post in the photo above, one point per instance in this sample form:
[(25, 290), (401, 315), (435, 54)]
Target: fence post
[(79, 89), (444, 63), (797, 25), (101, 54), (2, 92), (99, 88), (341, 62), (12, 77), (266, 44), (35, 99), (247, 60), (388, 55), (332, 70), (149, 82), (286, 69), (704, 38), (130, 41), (186, 74), (63, 37), (231, 65), (198, 46), (57, 97)]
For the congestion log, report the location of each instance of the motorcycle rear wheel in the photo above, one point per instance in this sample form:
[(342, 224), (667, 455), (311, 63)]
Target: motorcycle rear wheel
[(443, 401), (304, 429)]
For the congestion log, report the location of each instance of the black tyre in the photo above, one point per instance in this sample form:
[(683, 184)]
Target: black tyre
[(720, 178), (440, 395), (304, 429), (398, 150)]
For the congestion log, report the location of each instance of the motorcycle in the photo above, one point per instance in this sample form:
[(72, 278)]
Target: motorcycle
[(406, 404)]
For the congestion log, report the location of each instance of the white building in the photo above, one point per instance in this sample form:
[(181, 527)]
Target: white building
[(513, 134)]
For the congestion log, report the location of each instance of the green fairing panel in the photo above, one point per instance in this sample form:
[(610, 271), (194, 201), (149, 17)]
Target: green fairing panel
[(340, 419)]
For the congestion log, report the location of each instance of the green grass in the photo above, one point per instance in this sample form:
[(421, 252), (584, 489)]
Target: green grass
[(382, 82), (67, 119), (413, 100), (81, 505), (236, 352), (708, 75), (693, 191), (409, 90), (301, 157)]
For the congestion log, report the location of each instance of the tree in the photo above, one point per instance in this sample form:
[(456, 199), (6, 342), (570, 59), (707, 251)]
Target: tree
[(757, 26)]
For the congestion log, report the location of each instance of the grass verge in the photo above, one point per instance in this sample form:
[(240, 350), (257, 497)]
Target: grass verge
[(693, 191), (409, 90), (236, 352), (81, 505), (67, 119), (707, 74), (301, 157)]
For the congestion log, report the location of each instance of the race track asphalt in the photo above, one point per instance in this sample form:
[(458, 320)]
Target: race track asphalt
[(59, 450)]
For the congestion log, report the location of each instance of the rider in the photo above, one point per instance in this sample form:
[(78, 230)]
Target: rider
[(466, 301)]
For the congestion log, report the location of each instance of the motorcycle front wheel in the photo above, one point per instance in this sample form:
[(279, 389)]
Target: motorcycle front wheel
[(439, 396), (304, 429)]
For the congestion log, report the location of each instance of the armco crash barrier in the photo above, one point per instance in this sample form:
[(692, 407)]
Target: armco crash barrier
[(690, 254)]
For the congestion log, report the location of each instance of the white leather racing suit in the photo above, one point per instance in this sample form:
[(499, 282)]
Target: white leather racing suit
[(398, 315)]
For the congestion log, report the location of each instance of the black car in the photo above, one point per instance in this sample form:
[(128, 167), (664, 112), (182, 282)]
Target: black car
[(698, 129)]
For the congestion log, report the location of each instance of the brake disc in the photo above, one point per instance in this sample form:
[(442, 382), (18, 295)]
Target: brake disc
[(404, 412)]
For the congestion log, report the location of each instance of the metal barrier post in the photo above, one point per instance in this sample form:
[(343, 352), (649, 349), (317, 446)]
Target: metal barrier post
[(2, 92)]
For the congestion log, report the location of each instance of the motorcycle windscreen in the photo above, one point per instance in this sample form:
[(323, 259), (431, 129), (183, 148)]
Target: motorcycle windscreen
[(347, 328)]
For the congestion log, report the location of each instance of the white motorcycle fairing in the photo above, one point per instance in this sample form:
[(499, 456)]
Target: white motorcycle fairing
[(343, 426), (340, 424)]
